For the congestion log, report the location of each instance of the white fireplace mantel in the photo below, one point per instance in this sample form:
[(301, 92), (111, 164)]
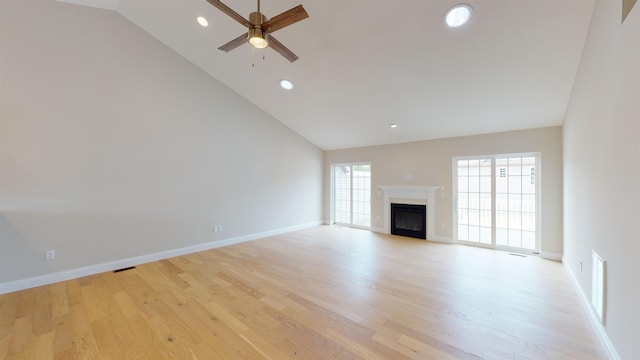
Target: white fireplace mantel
[(422, 194)]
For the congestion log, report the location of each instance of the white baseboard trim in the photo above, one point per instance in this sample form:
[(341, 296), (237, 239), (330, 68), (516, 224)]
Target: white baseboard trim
[(441, 239), (47, 279), (551, 255), (378, 230), (612, 353)]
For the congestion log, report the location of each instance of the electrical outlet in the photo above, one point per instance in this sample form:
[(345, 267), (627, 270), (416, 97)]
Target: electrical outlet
[(50, 255), (443, 226), (219, 228)]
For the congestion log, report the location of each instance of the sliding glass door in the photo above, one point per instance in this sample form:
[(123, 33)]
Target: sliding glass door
[(352, 194), (496, 201)]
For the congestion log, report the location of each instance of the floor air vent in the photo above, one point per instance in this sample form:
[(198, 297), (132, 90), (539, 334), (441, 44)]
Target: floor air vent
[(124, 269)]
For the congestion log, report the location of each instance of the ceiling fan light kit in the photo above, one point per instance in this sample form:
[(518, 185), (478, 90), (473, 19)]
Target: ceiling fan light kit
[(259, 28), (257, 37)]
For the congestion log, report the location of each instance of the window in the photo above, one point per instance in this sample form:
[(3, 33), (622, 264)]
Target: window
[(352, 194), (496, 201)]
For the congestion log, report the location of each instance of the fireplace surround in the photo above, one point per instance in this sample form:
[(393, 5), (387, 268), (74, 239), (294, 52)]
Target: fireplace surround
[(417, 195)]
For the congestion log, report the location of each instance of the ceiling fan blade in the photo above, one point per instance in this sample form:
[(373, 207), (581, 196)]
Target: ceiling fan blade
[(234, 43), (227, 10), (281, 49), (287, 18)]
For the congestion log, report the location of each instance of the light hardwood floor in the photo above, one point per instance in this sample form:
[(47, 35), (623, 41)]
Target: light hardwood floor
[(321, 293)]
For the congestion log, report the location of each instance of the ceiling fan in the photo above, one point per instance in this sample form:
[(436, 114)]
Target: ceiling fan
[(260, 28)]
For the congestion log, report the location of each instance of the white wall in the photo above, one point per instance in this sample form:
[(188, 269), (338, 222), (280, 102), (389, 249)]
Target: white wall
[(112, 146), (602, 170), (430, 163)]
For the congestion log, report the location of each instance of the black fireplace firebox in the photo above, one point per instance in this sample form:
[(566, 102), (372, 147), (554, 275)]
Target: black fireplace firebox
[(409, 220)]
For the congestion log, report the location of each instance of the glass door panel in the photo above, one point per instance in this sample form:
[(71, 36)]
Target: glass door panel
[(516, 202), (361, 212), (342, 194), (474, 220)]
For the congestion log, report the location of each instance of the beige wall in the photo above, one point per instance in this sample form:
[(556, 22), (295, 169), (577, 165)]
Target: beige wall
[(430, 163), (602, 170), (113, 146)]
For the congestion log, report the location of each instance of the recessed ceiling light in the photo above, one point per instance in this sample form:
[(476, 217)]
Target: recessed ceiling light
[(393, 126), (458, 15), (202, 21), (286, 84)]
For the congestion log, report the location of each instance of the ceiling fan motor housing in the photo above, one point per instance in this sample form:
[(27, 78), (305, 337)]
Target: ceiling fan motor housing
[(257, 36), (257, 18)]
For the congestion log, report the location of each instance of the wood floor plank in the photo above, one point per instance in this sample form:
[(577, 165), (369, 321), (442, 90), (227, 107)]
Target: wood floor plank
[(43, 346), (155, 346), (42, 320), (26, 303), (59, 301), (22, 335), (321, 293), (8, 311), (63, 333)]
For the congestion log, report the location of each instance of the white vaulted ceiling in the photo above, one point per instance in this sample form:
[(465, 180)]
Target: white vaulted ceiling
[(365, 64)]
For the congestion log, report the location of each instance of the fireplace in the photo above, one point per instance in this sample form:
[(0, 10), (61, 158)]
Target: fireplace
[(418, 195), (409, 220)]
